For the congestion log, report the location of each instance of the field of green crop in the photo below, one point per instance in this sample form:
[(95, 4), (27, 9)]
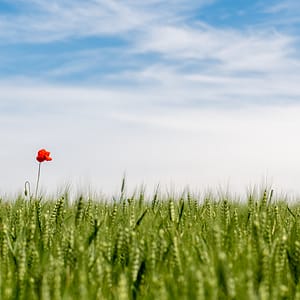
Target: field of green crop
[(158, 248)]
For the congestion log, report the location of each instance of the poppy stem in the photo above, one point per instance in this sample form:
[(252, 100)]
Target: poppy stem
[(37, 181)]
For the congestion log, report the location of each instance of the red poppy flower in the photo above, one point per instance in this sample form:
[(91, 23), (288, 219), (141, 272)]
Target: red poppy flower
[(43, 155)]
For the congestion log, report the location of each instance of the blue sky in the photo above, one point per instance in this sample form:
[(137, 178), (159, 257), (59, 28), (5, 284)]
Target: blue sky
[(200, 93)]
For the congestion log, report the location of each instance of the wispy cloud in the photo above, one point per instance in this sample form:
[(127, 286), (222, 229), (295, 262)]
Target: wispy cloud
[(283, 14), (149, 28), (56, 20), (283, 6), (248, 51), (183, 46)]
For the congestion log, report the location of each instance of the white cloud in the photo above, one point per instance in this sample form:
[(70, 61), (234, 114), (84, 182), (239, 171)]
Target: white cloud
[(232, 50), (95, 135), (282, 14), (283, 6), (56, 20), (184, 49)]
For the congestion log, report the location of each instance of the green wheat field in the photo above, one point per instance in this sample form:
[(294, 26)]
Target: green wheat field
[(158, 247)]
